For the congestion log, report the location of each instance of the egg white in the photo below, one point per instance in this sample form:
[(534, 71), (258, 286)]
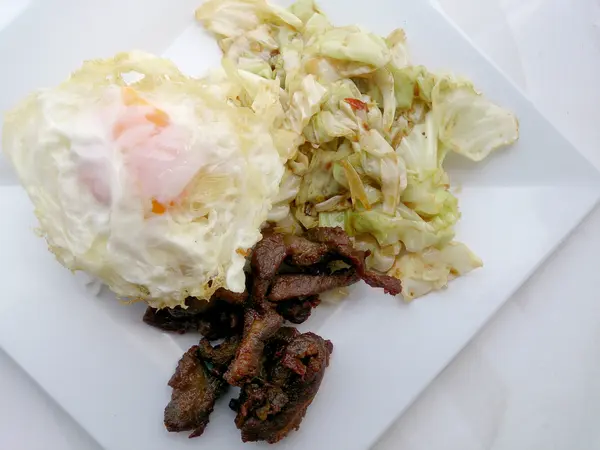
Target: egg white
[(213, 172)]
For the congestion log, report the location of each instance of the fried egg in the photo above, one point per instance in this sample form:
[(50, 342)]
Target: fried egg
[(145, 178)]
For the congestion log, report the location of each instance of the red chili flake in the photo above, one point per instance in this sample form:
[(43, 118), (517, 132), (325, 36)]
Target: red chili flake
[(356, 104)]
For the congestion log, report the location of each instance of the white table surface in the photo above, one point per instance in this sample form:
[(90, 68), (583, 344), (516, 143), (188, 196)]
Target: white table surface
[(531, 379)]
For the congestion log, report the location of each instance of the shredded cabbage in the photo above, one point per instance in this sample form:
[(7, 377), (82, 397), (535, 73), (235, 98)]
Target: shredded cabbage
[(364, 130), (433, 268)]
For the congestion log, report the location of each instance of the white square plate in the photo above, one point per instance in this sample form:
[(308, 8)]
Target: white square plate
[(109, 371)]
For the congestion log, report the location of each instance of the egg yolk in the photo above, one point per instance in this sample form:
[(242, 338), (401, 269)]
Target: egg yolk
[(155, 116), (153, 150)]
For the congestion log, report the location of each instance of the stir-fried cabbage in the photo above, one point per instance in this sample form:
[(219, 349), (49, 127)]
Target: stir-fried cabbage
[(365, 133)]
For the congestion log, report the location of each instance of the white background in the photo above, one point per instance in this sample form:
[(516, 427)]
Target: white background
[(531, 379)]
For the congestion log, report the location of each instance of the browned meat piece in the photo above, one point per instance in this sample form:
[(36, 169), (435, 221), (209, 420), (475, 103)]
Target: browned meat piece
[(269, 410), (195, 391), (222, 320), (389, 284), (338, 241), (275, 347), (303, 252), (283, 337), (267, 257), (297, 310), (311, 254), (231, 297), (272, 371), (260, 398), (194, 306), (258, 328), (270, 253), (163, 319), (260, 288), (216, 320), (219, 356), (285, 287), (300, 354)]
